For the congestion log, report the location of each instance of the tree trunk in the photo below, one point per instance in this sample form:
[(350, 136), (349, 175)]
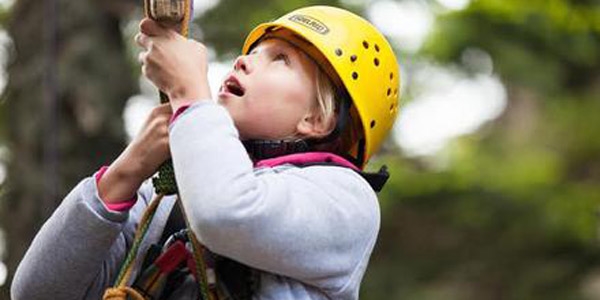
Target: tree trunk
[(68, 82)]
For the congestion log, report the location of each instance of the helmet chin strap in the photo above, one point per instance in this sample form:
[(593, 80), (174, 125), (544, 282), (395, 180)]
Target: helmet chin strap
[(265, 149)]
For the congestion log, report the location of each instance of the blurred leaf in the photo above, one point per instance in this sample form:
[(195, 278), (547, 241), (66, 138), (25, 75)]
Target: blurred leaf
[(225, 26)]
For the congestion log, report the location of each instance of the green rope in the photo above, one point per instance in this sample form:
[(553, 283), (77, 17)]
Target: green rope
[(198, 255), (138, 238), (164, 182)]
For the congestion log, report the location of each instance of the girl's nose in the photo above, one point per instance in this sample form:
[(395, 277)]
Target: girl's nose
[(242, 64)]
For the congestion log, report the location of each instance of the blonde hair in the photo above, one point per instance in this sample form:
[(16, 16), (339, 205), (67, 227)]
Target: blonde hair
[(326, 100), (328, 104)]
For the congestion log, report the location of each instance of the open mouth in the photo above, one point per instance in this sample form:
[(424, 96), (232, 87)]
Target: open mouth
[(233, 86)]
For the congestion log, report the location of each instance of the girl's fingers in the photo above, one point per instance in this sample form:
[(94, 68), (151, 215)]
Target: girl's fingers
[(142, 40), (164, 108), (145, 71), (152, 28), (142, 57)]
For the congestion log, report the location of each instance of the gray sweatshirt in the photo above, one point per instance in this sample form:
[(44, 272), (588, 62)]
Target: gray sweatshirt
[(310, 231)]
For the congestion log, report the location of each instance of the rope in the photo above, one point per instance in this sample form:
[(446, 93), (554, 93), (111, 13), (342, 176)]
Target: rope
[(127, 267), (164, 184), (165, 181), (198, 254), (121, 289), (122, 293)]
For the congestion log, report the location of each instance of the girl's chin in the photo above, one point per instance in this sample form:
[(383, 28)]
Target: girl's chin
[(227, 99)]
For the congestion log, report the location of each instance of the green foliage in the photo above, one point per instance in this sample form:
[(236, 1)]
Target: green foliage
[(514, 214), (483, 230), (545, 45), (225, 27), (4, 16)]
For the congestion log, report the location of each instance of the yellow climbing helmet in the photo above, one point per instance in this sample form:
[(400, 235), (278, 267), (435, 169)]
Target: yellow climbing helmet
[(358, 55)]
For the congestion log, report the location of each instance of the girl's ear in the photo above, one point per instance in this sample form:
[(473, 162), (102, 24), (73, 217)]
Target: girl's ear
[(313, 125)]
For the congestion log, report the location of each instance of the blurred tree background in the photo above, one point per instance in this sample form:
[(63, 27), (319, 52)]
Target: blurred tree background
[(507, 211)]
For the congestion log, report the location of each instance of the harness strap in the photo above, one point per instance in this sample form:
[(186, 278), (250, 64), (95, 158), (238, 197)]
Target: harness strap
[(377, 180), (233, 280), (126, 271)]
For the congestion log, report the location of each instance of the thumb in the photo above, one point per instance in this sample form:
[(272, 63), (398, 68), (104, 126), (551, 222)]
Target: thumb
[(150, 27)]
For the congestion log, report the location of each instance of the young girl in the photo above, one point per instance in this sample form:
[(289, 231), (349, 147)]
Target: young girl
[(269, 175)]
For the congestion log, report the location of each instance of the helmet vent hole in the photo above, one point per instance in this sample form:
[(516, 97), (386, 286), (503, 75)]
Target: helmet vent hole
[(338, 52), (354, 75), (389, 91), (376, 47), (376, 62), (395, 92), (392, 107), (353, 58), (391, 76), (372, 123), (366, 44)]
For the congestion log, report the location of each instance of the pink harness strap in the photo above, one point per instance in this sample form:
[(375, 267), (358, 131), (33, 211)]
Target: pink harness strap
[(306, 158)]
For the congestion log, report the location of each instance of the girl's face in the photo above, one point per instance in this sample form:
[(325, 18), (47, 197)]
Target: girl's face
[(271, 92)]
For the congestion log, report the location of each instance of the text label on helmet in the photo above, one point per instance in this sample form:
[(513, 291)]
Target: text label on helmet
[(310, 22)]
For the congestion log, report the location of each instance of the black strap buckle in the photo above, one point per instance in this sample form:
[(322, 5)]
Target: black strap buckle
[(377, 180)]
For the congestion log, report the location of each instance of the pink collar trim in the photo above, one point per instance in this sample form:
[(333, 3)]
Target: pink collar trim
[(305, 158)]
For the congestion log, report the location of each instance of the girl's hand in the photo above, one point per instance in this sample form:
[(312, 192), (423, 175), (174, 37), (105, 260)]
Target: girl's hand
[(176, 65), (140, 160)]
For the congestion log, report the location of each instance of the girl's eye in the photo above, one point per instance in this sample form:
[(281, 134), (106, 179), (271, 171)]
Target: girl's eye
[(283, 57)]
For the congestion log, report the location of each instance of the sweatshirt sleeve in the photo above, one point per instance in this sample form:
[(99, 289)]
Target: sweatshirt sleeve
[(78, 250), (316, 224)]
